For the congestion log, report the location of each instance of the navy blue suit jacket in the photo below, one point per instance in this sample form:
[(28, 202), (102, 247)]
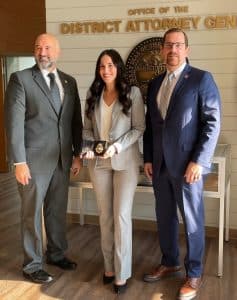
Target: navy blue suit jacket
[(191, 128)]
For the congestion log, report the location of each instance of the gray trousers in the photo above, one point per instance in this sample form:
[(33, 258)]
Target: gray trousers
[(50, 191), (114, 193)]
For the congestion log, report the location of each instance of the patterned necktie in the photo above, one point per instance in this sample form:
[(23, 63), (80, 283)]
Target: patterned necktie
[(55, 93), (165, 95)]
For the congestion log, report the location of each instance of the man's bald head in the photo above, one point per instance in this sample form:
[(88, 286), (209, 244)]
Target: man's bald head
[(46, 51)]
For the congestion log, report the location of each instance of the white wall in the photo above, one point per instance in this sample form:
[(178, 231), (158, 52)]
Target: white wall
[(211, 49)]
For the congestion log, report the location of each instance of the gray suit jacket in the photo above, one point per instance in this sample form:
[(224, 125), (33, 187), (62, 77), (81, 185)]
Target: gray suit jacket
[(125, 130), (36, 134)]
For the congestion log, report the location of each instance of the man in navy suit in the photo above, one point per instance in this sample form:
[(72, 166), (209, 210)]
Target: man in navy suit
[(182, 130)]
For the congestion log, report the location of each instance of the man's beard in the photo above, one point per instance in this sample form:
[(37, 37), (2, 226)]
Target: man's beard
[(44, 65), (172, 60)]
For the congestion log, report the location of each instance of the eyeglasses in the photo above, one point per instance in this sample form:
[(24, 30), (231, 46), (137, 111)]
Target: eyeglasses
[(170, 45)]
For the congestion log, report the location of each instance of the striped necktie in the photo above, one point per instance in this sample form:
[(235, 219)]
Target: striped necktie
[(55, 93), (165, 95)]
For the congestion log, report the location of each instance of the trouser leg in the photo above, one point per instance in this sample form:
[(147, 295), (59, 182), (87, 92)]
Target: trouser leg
[(32, 197), (55, 209), (124, 183), (102, 183), (167, 219), (192, 210)]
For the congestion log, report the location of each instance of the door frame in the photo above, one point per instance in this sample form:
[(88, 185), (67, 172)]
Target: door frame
[(3, 141)]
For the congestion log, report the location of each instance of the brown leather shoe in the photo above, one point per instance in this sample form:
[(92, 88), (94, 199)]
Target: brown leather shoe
[(161, 272), (190, 288)]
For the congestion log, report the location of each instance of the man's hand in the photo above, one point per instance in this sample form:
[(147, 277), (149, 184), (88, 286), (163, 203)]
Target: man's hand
[(76, 165), (148, 170), (22, 173), (193, 172), (88, 154)]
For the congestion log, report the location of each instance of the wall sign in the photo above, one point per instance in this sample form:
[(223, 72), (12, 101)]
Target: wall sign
[(150, 22)]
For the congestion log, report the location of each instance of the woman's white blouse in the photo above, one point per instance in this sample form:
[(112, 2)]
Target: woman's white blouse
[(106, 119)]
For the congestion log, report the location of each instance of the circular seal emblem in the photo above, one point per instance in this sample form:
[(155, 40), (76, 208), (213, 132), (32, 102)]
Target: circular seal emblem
[(99, 149), (144, 63)]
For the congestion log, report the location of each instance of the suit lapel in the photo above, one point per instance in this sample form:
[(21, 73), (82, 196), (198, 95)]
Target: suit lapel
[(97, 117), (154, 93), (179, 85), (65, 85), (116, 112)]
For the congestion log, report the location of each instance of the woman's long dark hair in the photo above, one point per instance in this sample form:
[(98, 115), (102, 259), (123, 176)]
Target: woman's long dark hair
[(121, 84)]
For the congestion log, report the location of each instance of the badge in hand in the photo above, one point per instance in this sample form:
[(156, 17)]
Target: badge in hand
[(100, 147)]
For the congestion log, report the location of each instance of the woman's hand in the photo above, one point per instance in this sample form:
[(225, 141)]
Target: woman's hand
[(109, 152)]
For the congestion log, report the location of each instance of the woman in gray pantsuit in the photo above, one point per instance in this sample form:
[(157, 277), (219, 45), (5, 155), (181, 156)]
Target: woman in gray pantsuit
[(114, 113)]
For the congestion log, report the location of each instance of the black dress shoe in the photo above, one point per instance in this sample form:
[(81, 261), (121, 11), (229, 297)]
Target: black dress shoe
[(64, 263), (39, 276), (120, 288), (108, 279)]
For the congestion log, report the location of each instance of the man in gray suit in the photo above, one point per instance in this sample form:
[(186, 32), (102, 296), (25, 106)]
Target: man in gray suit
[(44, 128)]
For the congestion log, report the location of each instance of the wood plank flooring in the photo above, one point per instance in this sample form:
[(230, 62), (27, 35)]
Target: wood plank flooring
[(84, 247)]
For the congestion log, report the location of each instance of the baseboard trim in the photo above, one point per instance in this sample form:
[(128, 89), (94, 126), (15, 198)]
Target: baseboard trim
[(145, 225)]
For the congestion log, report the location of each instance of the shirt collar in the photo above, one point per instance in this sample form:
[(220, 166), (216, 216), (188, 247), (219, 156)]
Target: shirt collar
[(178, 71), (46, 72)]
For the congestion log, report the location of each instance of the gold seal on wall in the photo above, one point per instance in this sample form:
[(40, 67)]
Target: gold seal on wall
[(144, 63)]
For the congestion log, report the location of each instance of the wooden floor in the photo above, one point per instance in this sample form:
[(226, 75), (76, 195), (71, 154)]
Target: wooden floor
[(84, 247)]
